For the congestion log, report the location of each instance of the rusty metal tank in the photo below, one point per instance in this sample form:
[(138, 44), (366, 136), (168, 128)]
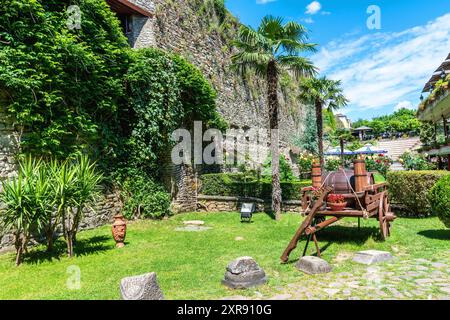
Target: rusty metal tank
[(339, 181)]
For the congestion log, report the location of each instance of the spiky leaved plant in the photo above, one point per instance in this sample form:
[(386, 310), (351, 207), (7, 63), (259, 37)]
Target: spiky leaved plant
[(26, 201), (86, 190), (322, 92)]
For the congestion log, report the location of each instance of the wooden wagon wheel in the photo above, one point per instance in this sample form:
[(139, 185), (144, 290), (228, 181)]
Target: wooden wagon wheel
[(383, 217)]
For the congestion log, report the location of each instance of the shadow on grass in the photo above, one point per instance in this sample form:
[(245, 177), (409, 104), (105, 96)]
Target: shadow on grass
[(82, 247), (337, 235), (441, 234)]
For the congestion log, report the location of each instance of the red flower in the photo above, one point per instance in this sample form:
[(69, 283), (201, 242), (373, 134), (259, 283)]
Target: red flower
[(378, 161), (336, 198)]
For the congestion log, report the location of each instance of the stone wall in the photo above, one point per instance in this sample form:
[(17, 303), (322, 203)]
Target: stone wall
[(9, 143), (181, 27), (233, 204)]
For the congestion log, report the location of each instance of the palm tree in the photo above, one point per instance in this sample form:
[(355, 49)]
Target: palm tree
[(270, 50), (322, 92)]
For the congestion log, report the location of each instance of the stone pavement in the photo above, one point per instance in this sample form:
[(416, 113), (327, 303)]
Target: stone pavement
[(401, 278)]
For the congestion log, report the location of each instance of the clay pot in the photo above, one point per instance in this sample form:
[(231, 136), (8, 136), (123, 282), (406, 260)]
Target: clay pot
[(337, 206), (119, 230)]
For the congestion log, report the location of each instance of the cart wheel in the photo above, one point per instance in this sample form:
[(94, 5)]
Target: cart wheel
[(385, 224), (387, 211)]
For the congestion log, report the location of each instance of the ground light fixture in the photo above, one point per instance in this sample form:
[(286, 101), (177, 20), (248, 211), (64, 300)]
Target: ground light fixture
[(247, 210)]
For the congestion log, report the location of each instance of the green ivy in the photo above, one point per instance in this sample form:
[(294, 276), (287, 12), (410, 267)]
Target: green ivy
[(63, 86), (143, 197)]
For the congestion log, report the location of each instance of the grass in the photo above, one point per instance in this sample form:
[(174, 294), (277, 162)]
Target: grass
[(190, 265)]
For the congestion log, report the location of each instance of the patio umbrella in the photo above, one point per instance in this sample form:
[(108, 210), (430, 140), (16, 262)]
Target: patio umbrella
[(337, 152), (370, 149)]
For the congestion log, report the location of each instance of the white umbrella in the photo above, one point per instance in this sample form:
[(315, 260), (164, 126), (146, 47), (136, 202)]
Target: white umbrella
[(370, 149), (337, 152)]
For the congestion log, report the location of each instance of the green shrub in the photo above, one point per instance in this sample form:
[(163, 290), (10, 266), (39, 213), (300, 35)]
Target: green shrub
[(144, 198), (285, 169), (379, 163), (410, 189), (332, 164), (305, 162), (236, 185), (416, 162), (439, 198)]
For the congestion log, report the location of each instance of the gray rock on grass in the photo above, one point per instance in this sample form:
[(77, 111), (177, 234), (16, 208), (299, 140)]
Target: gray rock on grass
[(244, 273), (313, 265), (372, 256), (143, 287)]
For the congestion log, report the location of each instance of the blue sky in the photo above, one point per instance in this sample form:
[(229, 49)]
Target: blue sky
[(381, 69)]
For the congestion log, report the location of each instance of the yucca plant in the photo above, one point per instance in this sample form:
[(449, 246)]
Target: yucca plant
[(86, 187), (62, 178), (25, 203)]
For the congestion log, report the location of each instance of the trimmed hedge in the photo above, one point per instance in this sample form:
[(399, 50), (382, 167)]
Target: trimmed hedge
[(439, 198), (241, 185), (410, 189)]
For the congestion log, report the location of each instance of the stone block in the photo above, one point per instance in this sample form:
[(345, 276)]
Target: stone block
[(244, 273), (143, 287), (313, 265), (372, 256)]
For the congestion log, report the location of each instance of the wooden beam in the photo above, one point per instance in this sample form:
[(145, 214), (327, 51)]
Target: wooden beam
[(124, 6)]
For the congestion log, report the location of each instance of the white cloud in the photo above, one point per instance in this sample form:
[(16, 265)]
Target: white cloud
[(307, 20), (313, 7), (404, 105), (264, 1), (378, 70)]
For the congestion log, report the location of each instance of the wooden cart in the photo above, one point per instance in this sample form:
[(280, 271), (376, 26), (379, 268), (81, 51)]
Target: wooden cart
[(365, 200)]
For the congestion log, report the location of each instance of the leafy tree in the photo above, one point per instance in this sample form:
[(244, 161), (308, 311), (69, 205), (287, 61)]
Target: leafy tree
[(269, 50), (308, 139), (322, 92)]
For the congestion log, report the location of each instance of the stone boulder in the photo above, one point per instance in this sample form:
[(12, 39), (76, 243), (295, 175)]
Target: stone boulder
[(244, 273), (372, 256), (143, 287), (313, 265)]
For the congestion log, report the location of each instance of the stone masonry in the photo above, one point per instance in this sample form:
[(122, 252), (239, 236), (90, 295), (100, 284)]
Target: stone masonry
[(183, 28)]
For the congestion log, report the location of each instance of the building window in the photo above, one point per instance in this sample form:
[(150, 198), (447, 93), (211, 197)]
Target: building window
[(125, 22)]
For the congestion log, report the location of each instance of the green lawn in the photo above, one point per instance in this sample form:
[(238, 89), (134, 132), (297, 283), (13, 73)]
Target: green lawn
[(190, 265)]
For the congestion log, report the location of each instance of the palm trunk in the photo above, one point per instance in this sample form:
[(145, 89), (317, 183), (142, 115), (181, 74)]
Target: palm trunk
[(342, 151), (272, 98), (76, 224), (319, 120), (49, 232)]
